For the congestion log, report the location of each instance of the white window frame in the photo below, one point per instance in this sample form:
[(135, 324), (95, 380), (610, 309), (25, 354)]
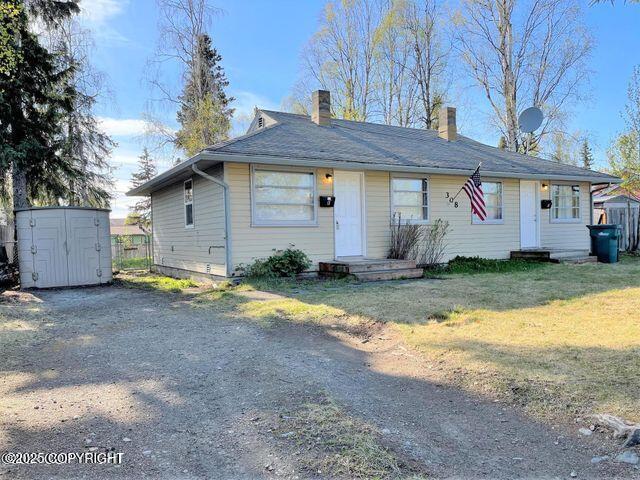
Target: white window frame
[(570, 219), (491, 221), (255, 222), (423, 221), (184, 199)]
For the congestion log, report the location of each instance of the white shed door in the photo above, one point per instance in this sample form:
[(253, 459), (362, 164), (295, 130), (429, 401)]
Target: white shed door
[(348, 217), (82, 246), (48, 247), (528, 214)]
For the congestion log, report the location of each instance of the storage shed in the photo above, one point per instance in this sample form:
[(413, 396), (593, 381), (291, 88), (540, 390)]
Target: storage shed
[(63, 246)]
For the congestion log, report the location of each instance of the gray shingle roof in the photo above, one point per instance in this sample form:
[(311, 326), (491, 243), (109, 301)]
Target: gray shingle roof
[(294, 139), (296, 136)]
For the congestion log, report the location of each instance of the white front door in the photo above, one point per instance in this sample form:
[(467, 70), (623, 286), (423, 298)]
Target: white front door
[(347, 212), (529, 214)]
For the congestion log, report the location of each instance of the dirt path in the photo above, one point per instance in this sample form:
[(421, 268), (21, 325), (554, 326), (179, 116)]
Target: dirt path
[(186, 392)]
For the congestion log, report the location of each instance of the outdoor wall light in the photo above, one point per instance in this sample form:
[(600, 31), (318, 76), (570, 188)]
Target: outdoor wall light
[(328, 179), (545, 187)]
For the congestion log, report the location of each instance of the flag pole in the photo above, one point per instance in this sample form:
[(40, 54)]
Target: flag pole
[(474, 172)]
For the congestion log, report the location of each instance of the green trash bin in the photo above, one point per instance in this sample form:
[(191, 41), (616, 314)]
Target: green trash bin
[(604, 242)]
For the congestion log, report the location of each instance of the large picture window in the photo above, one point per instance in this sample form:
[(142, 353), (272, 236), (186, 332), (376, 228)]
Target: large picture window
[(410, 199), (493, 203), (283, 197), (565, 203), (188, 203)]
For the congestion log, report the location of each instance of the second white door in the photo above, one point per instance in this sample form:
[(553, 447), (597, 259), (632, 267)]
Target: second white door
[(348, 217)]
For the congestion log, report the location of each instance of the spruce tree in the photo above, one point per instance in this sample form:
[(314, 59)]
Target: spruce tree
[(205, 114), (141, 211), (586, 155), (34, 99)]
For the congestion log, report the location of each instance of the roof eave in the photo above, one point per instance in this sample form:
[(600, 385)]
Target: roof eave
[(276, 160), (164, 178)]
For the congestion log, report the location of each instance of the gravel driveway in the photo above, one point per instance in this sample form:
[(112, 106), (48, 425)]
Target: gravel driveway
[(189, 392)]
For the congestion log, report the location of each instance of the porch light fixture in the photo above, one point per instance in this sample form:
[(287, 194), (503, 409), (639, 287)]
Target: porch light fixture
[(545, 187), (328, 179)]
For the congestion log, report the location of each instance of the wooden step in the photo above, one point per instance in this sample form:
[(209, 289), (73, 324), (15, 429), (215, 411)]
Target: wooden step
[(397, 274), (539, 255), (358, 266)]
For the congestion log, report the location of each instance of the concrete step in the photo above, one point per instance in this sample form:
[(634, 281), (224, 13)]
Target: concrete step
[(579, 259), (562, 254), (359, 266), (397, 274)]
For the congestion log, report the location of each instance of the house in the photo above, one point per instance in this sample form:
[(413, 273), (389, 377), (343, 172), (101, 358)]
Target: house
[(620, 206), (608, 197), (244, 198), (119, 228)]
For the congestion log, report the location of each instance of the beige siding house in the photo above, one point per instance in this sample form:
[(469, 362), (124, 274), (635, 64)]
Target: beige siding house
[(246, 198)]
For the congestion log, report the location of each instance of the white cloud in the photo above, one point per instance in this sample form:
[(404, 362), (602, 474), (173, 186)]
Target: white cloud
[(100, 11), (123, 127), (96, 14)]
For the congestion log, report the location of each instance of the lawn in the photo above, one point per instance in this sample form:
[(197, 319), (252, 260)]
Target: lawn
[(560, 340)]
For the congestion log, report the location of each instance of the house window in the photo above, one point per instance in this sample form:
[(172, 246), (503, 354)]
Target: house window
[(410, 199), (188, 203), (283, 197), (493, 203), (565, 202)]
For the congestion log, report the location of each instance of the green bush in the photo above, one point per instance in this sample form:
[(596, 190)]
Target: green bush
[(486, 265), (284, 263)]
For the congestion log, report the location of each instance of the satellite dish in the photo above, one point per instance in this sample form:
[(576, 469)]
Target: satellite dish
[(530, 120)]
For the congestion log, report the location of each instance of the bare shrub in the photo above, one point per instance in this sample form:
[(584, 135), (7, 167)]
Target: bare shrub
[(405, 237), (433, 243)]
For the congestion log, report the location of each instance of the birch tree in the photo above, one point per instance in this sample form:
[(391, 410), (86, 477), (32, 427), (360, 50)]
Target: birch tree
[(429, 58), (340, 56), (524, 53)]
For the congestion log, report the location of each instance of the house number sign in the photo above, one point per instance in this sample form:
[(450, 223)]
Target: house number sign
[(451, 199)]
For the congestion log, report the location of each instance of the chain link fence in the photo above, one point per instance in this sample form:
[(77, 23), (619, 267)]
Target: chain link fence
[(131, 252)]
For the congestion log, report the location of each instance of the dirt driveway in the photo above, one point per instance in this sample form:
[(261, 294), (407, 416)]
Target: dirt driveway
[(188, 392)]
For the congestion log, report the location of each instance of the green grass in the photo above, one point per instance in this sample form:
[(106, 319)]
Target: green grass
[(155, 282), (473, 265), (131, 263)]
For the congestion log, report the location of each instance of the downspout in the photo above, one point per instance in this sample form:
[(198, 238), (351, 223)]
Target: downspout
[(227, 215)]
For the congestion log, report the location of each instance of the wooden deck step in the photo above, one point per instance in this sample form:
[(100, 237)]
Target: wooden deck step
[(367, 269), (397, 274)]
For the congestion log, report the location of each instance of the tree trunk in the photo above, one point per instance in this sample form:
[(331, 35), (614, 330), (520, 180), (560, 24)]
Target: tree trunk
[(19, 181)]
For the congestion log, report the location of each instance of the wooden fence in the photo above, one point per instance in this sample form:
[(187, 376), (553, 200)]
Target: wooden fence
[(629, 219), (6, 239)]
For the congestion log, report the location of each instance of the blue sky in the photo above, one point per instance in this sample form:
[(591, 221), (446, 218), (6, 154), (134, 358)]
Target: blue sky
[(261, 41)]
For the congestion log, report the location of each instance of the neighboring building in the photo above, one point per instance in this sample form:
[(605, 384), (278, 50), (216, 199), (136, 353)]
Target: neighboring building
[(609, 197), (275, 175), (119, 228)]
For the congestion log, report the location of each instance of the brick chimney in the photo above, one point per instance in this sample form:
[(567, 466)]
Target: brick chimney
[(321, 107), (447, 124)]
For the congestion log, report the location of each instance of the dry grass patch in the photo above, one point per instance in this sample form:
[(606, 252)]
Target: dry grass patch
[(337, 445), (558, 340)]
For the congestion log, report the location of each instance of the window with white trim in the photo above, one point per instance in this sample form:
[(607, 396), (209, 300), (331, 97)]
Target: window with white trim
[(410, 199), (283, 197), (565, 204), (493, 203), (188, 203)]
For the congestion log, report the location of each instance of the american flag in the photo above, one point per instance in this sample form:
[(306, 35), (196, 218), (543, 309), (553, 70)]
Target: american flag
[(473, 189)]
